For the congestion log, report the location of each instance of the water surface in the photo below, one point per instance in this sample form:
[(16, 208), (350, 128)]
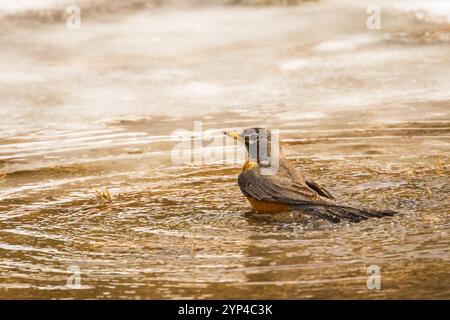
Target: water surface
[(365, 113)]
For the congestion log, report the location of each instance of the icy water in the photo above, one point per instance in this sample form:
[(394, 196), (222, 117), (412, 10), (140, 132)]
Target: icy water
[(364, 113)]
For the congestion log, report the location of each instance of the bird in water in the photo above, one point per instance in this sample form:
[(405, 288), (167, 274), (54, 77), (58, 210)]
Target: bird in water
[(272, 184)]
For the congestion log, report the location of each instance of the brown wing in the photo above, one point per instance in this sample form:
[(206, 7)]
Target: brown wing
[(319, 189), (275, 188)]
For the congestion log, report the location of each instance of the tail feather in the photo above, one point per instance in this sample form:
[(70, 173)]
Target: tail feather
[(343, 213)]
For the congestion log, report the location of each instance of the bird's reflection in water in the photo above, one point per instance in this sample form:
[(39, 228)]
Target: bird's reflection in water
[(291, 217)]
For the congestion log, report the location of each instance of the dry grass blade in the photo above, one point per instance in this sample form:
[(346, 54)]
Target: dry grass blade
[(428, 191), (104, 196), (438, 165)]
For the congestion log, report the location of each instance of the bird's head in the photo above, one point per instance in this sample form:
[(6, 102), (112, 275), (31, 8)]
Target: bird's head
[(258, 142)]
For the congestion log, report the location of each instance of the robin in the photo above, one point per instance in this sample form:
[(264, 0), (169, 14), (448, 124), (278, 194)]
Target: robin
[(286, 188)]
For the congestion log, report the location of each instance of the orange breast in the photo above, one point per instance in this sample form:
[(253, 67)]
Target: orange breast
[(267, 207)]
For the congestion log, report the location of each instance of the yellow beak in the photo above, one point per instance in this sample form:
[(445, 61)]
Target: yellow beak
[(235, 135)]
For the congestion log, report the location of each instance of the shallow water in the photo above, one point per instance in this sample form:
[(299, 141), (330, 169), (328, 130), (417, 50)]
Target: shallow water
[(364, 113)]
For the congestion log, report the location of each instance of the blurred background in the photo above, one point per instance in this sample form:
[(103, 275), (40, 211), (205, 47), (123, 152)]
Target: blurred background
[(86, 121)]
